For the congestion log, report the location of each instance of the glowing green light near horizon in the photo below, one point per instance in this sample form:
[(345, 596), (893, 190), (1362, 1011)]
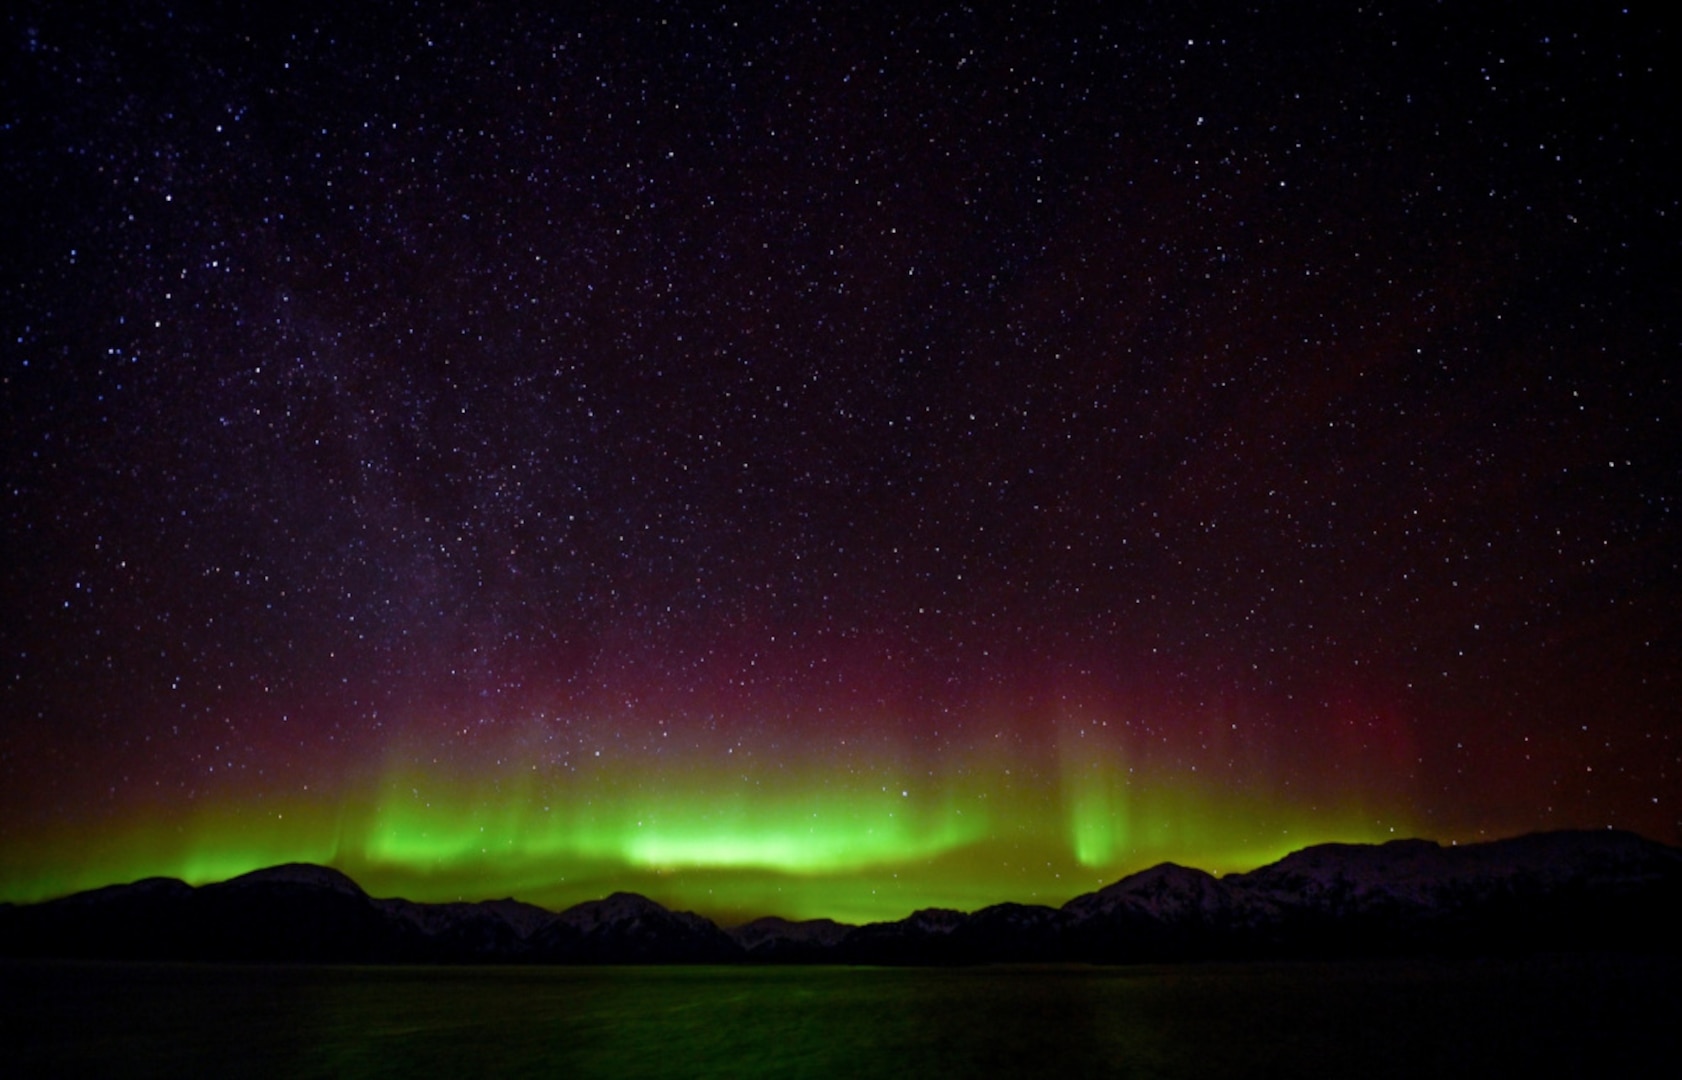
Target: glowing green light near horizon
[(666, 822), (857, 843)]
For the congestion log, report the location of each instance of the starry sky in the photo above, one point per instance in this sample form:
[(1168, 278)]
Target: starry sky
[(785, 458)]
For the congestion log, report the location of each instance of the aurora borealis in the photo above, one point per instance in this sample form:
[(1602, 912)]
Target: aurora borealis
[(824, 463)]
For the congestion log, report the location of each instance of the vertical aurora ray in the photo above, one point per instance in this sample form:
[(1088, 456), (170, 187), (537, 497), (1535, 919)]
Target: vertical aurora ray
[(1098, 814), (1095, 796)]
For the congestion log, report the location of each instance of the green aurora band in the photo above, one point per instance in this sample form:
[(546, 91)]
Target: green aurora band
[(859, 843)]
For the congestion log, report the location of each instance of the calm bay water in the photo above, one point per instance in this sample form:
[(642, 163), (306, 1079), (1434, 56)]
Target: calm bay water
[(1555, 1015)]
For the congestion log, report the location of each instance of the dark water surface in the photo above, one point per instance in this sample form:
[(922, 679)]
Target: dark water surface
[(1585, 1015)]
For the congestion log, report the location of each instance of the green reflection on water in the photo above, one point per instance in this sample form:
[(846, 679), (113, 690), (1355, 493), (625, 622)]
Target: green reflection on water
[(1325, 1019)]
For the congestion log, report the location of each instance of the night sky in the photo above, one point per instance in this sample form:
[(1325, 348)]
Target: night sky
[(784, 459)]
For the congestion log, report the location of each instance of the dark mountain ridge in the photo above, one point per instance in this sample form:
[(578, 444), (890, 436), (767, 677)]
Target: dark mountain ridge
[(1543, 892)]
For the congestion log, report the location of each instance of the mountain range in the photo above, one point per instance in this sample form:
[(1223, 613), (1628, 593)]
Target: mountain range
[(1545, 892)]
